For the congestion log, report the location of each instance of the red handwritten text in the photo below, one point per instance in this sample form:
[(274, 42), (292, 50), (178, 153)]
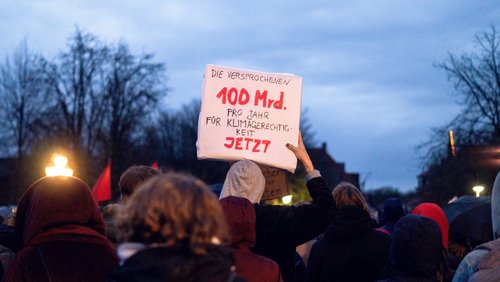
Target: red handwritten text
[(246, 143)]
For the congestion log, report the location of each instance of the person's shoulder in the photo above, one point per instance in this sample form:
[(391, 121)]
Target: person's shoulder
[(263, 209)]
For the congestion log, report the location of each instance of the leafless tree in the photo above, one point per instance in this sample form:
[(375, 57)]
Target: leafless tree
[(22, 99), (476, 77), (77, 83), (134, 87)]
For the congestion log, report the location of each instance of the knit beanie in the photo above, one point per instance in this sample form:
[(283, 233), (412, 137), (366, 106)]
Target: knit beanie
[(244, 179)]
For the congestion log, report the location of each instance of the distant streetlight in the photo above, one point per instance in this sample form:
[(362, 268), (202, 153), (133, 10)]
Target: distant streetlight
[(478, 189), (287, 199), (60, 167)]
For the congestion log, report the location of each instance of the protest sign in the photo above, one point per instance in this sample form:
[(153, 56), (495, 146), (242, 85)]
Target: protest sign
[(249, 115), (276, 183)]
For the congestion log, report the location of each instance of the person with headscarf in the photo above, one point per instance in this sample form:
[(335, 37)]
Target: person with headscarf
[(240, 216), (483, 263), (415, 253), (352, 249), (61, 234), (393, 211), (173, 229), (280, 229)]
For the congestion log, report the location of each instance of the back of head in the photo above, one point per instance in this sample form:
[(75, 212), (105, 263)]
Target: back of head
[(174, 210), (495, 207), (345, 194), (133, 177), (244, 179), (416, 247), (434, 212), (52, 202), (393, 210), (240, 216)]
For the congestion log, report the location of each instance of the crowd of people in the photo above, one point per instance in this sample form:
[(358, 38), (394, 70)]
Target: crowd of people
[(172, 227)]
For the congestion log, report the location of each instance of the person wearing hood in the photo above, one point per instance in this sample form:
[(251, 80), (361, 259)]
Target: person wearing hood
[(483, 263), (393, 211), (240, 216), (415, 253), (351, 249), (280, 229), (61, 234), (436, 213)]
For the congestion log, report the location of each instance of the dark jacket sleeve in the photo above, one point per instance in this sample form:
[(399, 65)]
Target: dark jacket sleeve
[(297, 225)]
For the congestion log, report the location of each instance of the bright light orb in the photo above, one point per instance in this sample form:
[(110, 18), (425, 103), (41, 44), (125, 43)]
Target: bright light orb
[(478, 189), (60, 167), (287, 199), (60, 161)]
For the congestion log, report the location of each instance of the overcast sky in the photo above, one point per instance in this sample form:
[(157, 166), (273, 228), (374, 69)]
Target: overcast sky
[(369, 83)]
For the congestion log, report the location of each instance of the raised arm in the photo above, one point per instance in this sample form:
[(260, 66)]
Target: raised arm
[(301, 154)]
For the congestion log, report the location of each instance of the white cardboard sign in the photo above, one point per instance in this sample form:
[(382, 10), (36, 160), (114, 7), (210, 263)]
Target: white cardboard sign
[(249, 115)]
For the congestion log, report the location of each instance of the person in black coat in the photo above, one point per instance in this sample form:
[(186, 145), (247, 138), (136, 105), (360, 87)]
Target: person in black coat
[(280, 229), (351, 249)]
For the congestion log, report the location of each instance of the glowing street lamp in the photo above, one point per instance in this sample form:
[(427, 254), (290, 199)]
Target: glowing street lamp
[(60, 167), (478, 189), (287, 199)]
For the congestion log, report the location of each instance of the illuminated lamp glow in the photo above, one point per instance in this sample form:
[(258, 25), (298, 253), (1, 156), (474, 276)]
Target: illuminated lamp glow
[(287, 199)]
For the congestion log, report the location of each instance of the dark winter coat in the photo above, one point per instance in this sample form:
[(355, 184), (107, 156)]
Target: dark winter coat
[(61, 234), (240, 216), (164, 264), (280, 229), (351, 250)]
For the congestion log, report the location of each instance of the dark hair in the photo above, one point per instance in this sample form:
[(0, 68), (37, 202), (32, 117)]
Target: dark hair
[(133, 177)]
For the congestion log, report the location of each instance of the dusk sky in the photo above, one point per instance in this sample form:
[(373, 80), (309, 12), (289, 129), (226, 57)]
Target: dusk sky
[(369, 82)]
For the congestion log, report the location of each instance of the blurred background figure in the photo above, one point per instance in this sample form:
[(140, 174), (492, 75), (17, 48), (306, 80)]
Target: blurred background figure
[(133, 177), (351, 249), (61, 234), (174, 230), (393, 211), (109, 213)]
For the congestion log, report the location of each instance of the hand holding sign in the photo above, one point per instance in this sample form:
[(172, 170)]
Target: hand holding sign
[(301, 154)]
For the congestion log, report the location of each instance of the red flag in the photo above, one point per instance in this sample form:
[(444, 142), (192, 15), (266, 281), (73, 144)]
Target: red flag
[(102, 188), (155, 165)]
